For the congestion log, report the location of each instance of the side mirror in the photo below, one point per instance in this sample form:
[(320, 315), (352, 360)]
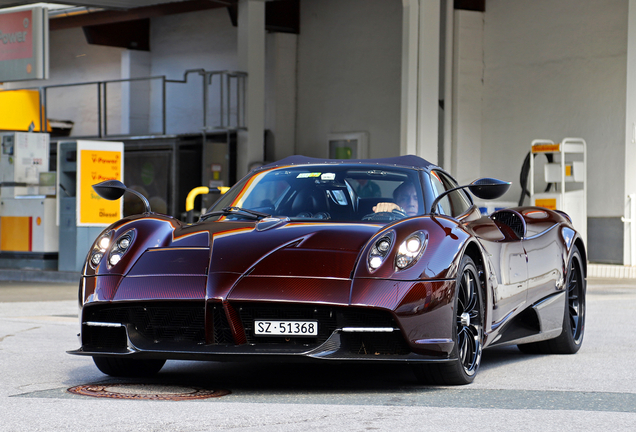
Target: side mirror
[(483, 188), (489, 188), (114, 189)]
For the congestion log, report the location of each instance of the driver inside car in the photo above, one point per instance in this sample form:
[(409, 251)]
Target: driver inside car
[(406, 200)]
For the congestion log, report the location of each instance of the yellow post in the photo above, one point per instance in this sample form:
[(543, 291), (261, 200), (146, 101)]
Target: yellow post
[(200, 191), (193, 194)]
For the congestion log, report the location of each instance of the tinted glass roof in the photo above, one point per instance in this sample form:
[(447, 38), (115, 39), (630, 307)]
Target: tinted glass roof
[(402, 161)]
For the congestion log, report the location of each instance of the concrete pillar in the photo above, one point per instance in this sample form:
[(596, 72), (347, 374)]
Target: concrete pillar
[(420, 78), (251, 59), (447, 88), (468, 89), (629, 233), (135, 95), (280, 99)]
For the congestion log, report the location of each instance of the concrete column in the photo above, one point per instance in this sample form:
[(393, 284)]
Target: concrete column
[(280, 99), (447, 89), (420, 78), (629, 233), (251, 59), (468, 88), (135, 96)]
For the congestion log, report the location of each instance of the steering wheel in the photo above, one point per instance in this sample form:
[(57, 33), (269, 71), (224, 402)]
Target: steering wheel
[(385, 216)]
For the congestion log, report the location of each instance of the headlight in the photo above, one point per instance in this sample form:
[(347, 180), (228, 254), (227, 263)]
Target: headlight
[(380, 250), (99, 249), (120, 247), (411, 250)]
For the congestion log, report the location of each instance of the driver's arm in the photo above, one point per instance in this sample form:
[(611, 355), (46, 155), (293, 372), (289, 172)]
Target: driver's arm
[(386, 207)]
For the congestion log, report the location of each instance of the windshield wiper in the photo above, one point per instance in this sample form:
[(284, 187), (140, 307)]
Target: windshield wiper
[(236, 210)]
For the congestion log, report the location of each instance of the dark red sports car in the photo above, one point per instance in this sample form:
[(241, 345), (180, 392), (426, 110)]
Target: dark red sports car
[(335, 260)]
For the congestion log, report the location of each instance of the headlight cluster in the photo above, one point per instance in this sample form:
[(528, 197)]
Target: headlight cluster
[(411, 250), (120, 247), (117, 248), (100, 248), (380, 250)]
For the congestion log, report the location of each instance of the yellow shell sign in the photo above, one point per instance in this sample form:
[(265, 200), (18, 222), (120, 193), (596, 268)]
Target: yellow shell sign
[(96, 166)]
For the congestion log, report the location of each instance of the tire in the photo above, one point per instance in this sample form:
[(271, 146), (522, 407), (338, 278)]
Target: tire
[(125, 367), (571, 338), (468, 333)]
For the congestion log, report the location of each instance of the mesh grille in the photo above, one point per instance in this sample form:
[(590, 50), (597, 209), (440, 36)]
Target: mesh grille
[(222, 330), (511, 219)]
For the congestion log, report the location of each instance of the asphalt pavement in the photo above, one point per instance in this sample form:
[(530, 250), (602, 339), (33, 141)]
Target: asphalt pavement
[(592, 390)]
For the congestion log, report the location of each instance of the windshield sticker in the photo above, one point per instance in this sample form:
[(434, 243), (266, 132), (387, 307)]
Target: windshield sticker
[(328, 176), (308, 175)]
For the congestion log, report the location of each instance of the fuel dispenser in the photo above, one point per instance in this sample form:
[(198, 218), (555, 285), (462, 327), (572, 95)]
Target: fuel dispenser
[(566, 171), (28, 235)]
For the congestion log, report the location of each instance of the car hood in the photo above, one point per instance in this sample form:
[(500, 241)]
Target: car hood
[(289, 249)]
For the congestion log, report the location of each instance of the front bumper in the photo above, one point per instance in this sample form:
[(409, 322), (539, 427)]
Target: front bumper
[(207, 331)]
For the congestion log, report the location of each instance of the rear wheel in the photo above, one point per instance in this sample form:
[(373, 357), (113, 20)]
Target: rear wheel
[(468, 333), (125, 367), (571, 338)]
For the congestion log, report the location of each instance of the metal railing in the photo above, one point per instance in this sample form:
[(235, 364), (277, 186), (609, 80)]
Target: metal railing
[(230, 101)]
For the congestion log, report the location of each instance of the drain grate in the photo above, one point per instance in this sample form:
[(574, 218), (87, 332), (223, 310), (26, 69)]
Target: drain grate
[(146, 391)]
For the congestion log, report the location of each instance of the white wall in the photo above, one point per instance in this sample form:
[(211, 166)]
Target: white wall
[(349, 73), (555, 69), (202, 39)]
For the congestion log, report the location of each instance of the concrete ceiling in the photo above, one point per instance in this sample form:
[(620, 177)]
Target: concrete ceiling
[(106, 4)]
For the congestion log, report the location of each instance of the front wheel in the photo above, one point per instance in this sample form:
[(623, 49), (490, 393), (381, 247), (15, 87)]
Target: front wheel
[(126, 367), (468, 333)]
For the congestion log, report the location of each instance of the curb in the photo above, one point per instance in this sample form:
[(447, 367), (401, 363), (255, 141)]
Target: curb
[(608, 271), (39, 276)]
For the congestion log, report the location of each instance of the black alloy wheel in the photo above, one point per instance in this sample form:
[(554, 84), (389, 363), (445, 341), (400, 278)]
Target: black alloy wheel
[(468, 331), (469, 321), (576, 299)]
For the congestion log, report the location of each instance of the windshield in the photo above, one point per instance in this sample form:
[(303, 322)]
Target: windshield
[(329, 192)]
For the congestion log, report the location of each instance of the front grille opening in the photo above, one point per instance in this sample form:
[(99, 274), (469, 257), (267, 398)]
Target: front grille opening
[(154, 323), (104, 338), (375, 344)]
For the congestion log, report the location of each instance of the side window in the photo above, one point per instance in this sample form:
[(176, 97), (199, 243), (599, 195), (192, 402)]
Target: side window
[(456, 202), (438, 188)]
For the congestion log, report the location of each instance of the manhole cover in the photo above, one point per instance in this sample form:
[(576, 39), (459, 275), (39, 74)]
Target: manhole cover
[(146, 391)]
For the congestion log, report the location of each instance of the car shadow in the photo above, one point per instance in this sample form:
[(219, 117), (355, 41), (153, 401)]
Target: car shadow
[(494, 358), (278, 377)]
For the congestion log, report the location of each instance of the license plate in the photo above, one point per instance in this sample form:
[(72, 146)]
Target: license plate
[(285, 328)]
